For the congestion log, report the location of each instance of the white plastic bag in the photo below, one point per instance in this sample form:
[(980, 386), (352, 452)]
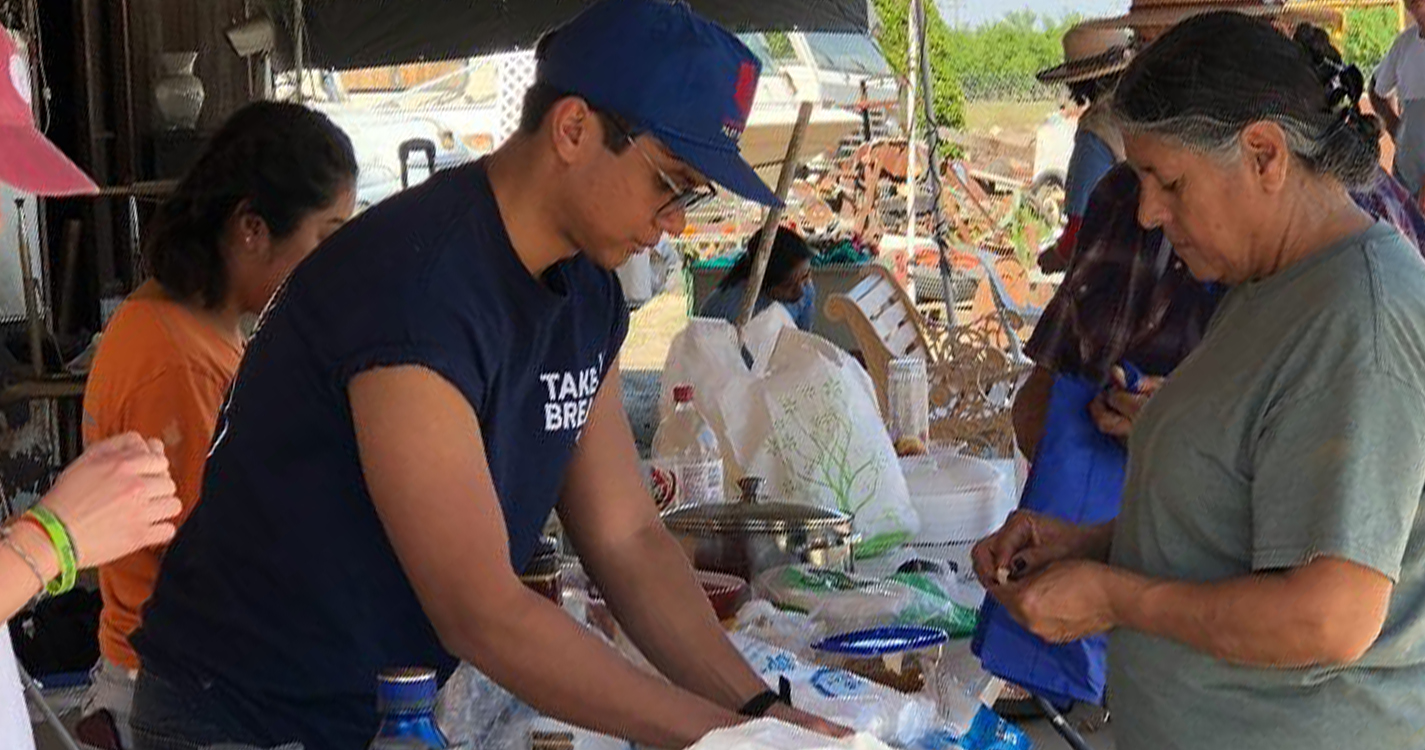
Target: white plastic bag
[(804, 418), (770, 734)]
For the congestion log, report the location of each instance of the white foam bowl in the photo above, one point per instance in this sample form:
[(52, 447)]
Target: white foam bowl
[(958, 498)]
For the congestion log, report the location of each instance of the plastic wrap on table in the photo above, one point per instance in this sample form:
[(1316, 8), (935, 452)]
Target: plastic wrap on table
[(961, 687), (789, 631), (843, 601), (842, 697), (474, 712), (769, 734)]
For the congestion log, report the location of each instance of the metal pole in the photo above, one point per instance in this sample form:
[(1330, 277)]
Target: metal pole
[(37, 695), (913, 67), (136, 262), (32, 305), (932, 141), (865, 113), (774, 217), (1061, 725), (299, 31)]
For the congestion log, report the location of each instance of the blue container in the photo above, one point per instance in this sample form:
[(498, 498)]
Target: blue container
[(406, 699)]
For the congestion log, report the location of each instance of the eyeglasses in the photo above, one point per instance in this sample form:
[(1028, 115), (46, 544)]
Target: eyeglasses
[(684, 199)]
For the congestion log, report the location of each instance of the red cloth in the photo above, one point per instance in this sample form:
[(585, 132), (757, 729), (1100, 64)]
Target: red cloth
[(1064, 248)]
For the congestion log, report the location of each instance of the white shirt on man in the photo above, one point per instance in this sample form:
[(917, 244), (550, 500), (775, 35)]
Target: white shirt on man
[(1401, 74)]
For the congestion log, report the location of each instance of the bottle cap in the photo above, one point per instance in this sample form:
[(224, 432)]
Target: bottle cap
[(406, 690)]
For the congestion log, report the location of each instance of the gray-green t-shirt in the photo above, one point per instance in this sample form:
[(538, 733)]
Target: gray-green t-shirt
[(1296, 429)]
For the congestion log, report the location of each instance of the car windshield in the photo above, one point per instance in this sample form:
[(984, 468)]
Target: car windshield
[(847, 53), (837, 52)]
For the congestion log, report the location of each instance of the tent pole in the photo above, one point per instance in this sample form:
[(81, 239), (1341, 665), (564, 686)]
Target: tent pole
[(913, 67), (932, 141), (774, 217), (299, 31)]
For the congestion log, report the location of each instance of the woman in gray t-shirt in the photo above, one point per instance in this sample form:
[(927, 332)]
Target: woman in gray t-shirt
[(1263, 584)]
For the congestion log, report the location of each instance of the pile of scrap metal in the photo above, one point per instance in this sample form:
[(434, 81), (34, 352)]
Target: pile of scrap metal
[(865, 195)]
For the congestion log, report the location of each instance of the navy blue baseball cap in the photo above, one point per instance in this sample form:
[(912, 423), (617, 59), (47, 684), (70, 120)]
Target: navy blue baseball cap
[(669, 72)]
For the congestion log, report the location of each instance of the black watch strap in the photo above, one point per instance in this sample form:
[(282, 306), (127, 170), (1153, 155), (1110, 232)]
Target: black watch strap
[(763, 702)]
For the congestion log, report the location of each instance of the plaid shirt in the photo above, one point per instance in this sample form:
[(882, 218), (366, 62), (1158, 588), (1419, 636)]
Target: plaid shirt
[(1127, 297)]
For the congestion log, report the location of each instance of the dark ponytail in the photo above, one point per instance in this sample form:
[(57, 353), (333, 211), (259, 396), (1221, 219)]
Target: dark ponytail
[(1351, 148), (1214, 74), (788, 250), (284, 161)]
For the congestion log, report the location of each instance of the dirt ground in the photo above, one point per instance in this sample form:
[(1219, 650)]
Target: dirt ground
[(1012, 122), (652, 329)]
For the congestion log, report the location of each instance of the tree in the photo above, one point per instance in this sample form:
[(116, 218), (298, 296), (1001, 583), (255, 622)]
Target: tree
[(1369, 34), (892, 34), (997, 61)]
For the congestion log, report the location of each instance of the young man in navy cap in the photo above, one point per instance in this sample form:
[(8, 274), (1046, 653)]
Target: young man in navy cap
[(426, 389)]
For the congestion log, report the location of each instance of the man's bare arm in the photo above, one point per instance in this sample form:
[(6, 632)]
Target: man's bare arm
[(424, 462), (639, 568)]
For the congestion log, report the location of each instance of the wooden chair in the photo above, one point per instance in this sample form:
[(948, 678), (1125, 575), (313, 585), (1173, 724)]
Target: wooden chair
[(972, 378)]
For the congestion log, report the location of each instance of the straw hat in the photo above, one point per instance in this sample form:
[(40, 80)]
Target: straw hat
[(1158, 15), (1090, 52)]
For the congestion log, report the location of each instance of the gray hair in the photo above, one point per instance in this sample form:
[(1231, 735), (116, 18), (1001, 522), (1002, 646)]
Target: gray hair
[(1327, 148), (1212, 76)]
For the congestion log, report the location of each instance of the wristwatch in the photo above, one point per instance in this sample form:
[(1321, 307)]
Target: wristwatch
[(763, 702)]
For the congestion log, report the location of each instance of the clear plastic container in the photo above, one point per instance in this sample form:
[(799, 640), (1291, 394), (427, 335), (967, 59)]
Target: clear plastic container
[(687, 460), (908, 406)]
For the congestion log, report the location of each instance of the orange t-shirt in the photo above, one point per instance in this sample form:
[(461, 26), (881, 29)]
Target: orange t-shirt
[(163, 372)]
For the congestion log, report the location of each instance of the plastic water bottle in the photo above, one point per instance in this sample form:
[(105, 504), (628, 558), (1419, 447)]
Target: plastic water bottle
[(406, 698), (687, 461)]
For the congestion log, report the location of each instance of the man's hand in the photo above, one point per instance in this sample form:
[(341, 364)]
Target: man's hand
[(1066, 602), (1115, 410), (789, 715), (1029, 541)]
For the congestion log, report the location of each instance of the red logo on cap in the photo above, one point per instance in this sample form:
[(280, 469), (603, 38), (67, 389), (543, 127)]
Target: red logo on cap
[(746, 88)]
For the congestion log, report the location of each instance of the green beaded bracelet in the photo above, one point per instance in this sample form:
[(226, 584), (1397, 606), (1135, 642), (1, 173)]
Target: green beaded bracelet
[(63, 547)]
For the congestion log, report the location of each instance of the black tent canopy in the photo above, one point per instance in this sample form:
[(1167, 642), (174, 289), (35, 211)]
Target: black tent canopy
[(345, 34)]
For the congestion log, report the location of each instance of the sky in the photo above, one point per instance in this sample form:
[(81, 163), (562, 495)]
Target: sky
[(976, 12)]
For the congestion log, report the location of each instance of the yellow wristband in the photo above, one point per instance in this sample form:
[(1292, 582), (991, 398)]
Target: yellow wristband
[(63, 547)]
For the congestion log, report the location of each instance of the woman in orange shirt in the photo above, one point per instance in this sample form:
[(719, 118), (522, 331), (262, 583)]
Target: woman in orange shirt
[(273, 183)]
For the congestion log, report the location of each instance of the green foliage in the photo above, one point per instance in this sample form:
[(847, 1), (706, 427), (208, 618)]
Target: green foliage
[(1369, 34), (997, 61), (892, 32), (780, 46)]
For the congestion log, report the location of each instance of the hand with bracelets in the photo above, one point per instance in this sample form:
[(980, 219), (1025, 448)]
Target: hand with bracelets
[(114, 499)]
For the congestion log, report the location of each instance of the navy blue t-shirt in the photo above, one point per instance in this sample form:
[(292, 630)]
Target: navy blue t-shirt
[(282, 592)]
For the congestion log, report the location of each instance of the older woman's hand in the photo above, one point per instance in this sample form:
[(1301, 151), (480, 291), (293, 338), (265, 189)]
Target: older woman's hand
[(1066, 602), (1116, 409), (1028, 542)]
